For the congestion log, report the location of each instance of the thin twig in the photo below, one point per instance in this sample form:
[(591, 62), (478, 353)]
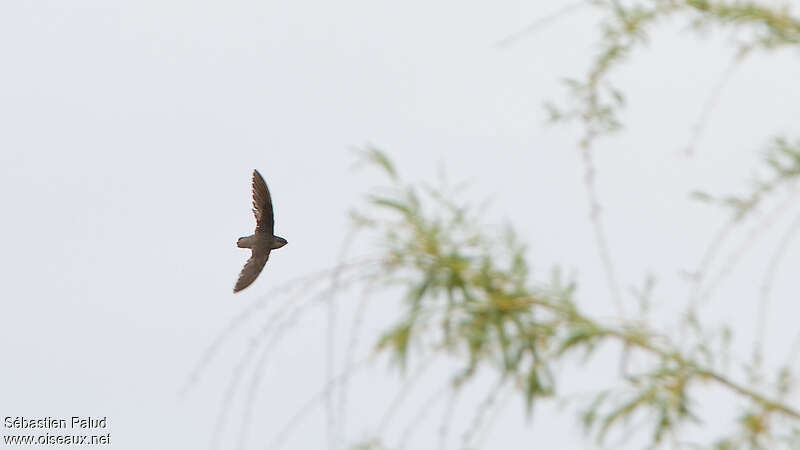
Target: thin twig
[(539, 24), (447, 418), (421, 414), (253, 345), (698, 129), (298, 417), (230, 392), (601, 239), (766, 285), (330, 343), (352, 345), (481, 410), (278, 333), (237, 321), (752, 238), (498, 409), (704, 266), (402, 394)]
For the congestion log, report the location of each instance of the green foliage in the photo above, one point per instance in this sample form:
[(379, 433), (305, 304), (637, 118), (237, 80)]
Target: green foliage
[(369, 445), (468, 287), (782, 160), (596, 102), (473, 294), (374, 156)]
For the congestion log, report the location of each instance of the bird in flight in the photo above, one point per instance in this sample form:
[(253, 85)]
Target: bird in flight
[(263, 240)]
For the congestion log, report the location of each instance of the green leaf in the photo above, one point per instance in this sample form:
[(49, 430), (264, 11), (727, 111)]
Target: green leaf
[(374, 156)]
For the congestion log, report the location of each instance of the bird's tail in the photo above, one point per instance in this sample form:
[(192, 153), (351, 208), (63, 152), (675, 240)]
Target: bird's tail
[(245, 242)]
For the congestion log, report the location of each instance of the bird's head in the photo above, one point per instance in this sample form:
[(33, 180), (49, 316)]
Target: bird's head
[(278, 242)]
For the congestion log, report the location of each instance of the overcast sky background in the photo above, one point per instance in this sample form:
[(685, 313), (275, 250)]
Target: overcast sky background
[(130, 130)]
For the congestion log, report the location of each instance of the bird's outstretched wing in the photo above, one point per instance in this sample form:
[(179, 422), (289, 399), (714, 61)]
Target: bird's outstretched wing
[(262, 206), (251, 269)]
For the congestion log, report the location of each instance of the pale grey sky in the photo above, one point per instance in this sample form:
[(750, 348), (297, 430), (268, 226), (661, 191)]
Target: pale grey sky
[(130, 129)]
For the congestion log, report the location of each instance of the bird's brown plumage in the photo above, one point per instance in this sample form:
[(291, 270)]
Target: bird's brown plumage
[(252, 268), (265, 225), (262, 205)]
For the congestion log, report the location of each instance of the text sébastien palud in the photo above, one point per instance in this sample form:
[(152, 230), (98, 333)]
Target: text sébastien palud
[(55, 422)]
